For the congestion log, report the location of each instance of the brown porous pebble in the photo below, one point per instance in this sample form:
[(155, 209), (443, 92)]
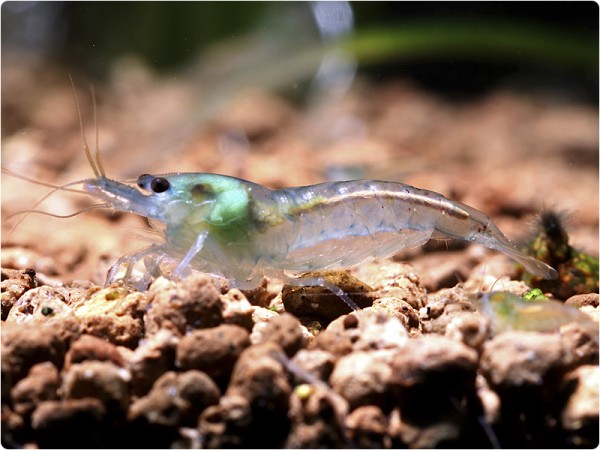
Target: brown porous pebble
[(14, 433), (401, 309), (580, 416), (194, 303), (580, 300), (284, 330), (370, 329), (41, 383), (318, 363), (442, 307), (154, 419), (153, 357), (430, 370), (212, 350), (260, 377), (451, 432), (176, 400), (193, 386), (521, 359), (368, 427), (237, 310), (114, 315), (317, 419), (320, 302), (335, 341), (14, 284), (43, 303), (78, 423), (228, 424), (362, 379), (379, 331), (392, 279), (98, 379), (263, 294), (260, 317), (93, 348), (526, 370), (433, 381), (470, 329), (582, 340), (24, 345)]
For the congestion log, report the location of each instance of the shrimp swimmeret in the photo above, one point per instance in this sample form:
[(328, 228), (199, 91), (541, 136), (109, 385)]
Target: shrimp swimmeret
[(241, 230)]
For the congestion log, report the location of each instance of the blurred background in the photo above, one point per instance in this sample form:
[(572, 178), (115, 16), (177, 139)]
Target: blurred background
[(491, 103), (454, 47), (310, 54)]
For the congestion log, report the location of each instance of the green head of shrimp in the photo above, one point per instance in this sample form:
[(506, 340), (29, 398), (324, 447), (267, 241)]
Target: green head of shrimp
[(192, 199)]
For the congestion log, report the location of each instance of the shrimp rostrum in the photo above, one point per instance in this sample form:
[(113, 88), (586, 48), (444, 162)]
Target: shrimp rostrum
[(241, 231)]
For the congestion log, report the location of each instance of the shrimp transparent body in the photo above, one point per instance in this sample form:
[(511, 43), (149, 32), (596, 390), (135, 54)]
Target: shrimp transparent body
[(510, 312), (242, 231)]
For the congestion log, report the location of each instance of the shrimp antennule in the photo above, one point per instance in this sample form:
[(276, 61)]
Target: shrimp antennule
[(96, 163)]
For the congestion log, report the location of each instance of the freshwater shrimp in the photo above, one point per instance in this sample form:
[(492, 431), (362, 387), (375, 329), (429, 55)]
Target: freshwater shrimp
[(510, 312), (242, 231)]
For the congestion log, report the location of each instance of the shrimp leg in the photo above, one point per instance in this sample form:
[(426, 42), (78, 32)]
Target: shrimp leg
[(130, 260), (184, 264)]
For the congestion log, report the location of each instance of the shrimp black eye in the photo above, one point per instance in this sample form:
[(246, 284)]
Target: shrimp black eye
[(159, 185)]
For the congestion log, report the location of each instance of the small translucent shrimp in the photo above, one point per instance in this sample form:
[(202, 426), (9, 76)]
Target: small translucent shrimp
[(510, 312), (241, 230)]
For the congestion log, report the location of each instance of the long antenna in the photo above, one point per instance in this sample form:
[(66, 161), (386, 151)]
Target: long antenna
[(86, 147), (25, 213), (98, 160), (66, 216)]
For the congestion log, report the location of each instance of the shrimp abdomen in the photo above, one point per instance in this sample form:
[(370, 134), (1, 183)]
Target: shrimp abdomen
[(345, 223)]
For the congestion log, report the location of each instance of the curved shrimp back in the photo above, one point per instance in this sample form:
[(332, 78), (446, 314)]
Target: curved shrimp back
[(242, 231), (345, 223)]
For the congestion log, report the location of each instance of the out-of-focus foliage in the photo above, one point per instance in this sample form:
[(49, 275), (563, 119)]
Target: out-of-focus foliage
[(578, 271), (168, 35)]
